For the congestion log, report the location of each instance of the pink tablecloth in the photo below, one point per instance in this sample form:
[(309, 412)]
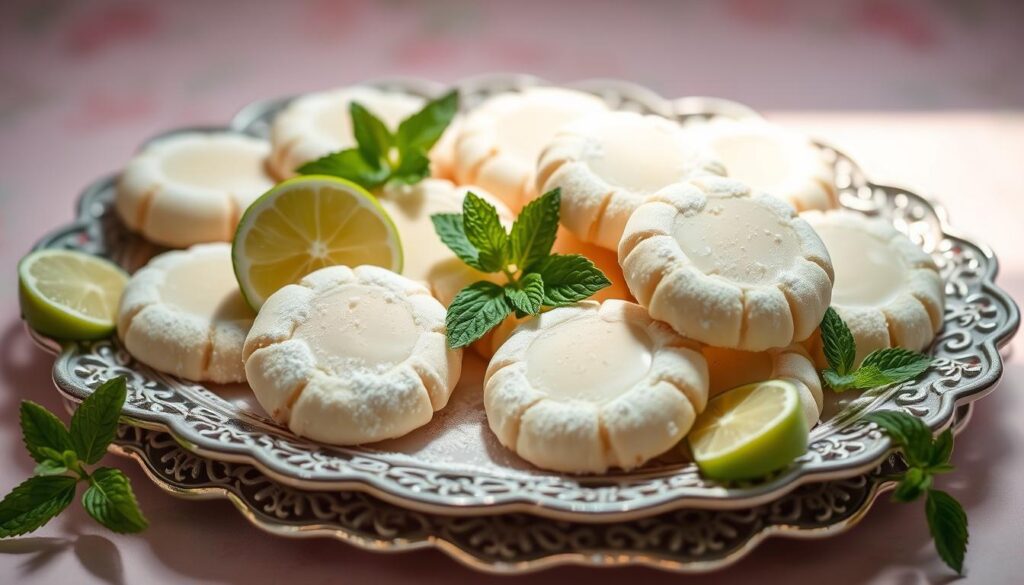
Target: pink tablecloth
[(927, 95)]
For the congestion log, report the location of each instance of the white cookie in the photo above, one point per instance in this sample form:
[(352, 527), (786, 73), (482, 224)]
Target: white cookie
[(772, 159), (499, 142), (592, 386), (351, 356), (887, 290), (727, 267), (732, 368), (183, 314), (192, 187), (318, 124), (606, 164)]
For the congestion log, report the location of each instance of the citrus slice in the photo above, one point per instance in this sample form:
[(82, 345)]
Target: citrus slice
[(750, 431), (69, 295), (307, 223)]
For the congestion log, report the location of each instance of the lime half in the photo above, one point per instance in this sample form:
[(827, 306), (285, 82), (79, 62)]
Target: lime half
[(305, 224), (750, 431), (70, 295)]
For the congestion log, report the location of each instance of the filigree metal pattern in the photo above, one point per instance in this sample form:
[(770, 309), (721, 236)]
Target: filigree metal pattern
[(979, 318)]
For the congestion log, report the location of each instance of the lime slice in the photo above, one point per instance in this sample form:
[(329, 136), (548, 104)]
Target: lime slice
[(750, 431), (307, 223), (70, 295)]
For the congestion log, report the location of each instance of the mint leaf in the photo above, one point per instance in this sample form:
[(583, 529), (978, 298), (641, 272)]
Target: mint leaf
[(422, 130), (413, 168), (897, 364), (110, 501), (527, 296), (838, 382), (348, 164), (35, 502), (450, 229), (947, 523), (484, 230), (373, 138), (942, 449), (907, 432), (95, 422), (477, 309), (837, 342), (534, 231), (50, 467), (915, 482), (43, 433), (569, 278)]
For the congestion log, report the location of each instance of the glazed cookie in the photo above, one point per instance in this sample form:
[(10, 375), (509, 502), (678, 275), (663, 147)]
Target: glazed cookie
[(887, 290), (634, 396), (772, 159), (731, 368), (499, 142), (726, 267), (318, 124), (192, 187), (606, 164), (183, 314), (351, 356)]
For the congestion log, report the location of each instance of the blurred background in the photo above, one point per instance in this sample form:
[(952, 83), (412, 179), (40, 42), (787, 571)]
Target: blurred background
[(923, 93)]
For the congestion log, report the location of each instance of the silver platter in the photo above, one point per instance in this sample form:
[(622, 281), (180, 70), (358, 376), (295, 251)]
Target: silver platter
[(683, 540), (453, 467)]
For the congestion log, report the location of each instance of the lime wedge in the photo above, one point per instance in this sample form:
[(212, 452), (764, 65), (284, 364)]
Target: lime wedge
[(69, 295), (750, 431), (307, 223)]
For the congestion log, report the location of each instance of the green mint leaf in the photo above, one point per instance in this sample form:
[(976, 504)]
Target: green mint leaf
[(110, 501), (569, 278), (35, 502), (534, 231), (372, 136), (942, 448), (907, 432), (527, 295), (422, 130), (484, 230), (947, 523), (43, 433), (837, 382), (837, 342), (413, 168), (915, 482), (867, 377), (95, 422), (50, 467), (897, 364), (450, 229), (477, 309), (347, 164)]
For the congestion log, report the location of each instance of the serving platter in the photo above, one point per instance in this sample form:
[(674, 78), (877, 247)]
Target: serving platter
[(683, 540), (454, 466)]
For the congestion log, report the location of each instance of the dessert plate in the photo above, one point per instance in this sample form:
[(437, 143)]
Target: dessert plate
[(684, 540), (455, 466)]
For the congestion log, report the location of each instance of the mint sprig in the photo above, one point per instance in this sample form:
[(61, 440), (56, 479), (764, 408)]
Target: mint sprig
[(881, 367), (381, 156), (535, 277), (61, 455), (926, 457)]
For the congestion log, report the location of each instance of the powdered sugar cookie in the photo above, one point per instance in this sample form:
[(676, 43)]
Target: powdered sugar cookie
[(499, 142), (772, 159), (731, 368), (318, 124), (192, 187), (183, 314), (726, 267), (351, 356), (606, 164), (887, 290), (592, 386)]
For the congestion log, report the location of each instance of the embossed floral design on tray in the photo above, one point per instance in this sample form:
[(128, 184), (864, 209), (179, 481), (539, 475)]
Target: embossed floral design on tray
[(979, 318)]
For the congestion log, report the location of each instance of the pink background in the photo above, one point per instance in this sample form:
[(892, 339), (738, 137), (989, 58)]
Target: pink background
[(925, 94)]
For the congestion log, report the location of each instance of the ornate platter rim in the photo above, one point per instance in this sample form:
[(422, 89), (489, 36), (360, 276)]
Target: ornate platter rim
[(849, 450)]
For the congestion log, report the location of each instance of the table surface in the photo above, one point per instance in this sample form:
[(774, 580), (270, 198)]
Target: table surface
[(924, 95)]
